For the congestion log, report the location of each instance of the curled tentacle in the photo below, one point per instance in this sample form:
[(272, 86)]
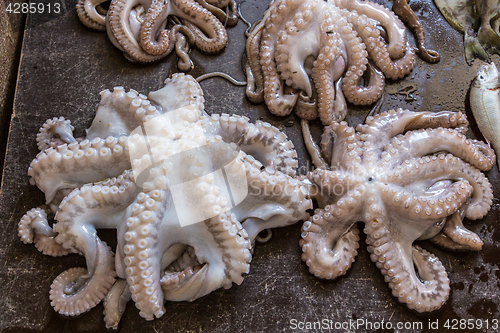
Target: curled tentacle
[(211, 36), (34, 227), (122, 34), (429, 170), (89, 14), (425, 142), (307, 108), (153, 22), (327, 249), (407, 15), (456, 237), (182, 49), (77, 290), (395, 29), (424, 292), (55, 132), (393, 67)]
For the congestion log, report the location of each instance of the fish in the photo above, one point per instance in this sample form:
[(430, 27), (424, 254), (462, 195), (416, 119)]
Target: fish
[(485, 104), (479, 21)]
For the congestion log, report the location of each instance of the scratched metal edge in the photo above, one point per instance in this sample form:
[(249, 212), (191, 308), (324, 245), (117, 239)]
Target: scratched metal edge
[(65, 78)]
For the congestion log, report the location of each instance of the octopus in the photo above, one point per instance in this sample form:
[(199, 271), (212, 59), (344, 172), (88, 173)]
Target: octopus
[(345, 47), (408, 176), (149, 30), (181, 230)]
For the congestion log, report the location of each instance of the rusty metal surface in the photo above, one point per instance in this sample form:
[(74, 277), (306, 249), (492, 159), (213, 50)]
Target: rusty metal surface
[(64, 66)]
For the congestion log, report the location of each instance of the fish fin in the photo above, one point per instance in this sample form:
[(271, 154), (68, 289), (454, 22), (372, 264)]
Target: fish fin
[(473, 48)]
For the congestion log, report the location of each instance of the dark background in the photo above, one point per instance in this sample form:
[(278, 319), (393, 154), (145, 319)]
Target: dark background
[(64, 66)]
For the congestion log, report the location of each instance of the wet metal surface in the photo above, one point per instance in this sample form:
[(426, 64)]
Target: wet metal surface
[(64, 66)]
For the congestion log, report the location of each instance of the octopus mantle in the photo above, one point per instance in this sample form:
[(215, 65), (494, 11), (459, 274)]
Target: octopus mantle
[(156, 169)]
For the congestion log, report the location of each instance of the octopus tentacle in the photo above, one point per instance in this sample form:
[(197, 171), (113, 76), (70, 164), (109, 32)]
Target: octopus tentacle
[(429, 141), (89, 16), (121, 34), (55, 169), (338, 145), (70, 296), (456, 237), (34, 227), (277, 102), (333, 184), (428, 208), (377, 49), (312, 147), (261, 140), (211, 37), (115, 303), (330, 240), (255, 82), (357, 64), (327, 69), (407, 15), (397, 263), (181, 49), (55, 132), (383, 126), (154, 20), (395, 29), (447, 167)]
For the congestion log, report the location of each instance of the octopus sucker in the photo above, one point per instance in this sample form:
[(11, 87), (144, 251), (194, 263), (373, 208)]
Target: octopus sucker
[(143, 164), (403, 193), (340, 41)]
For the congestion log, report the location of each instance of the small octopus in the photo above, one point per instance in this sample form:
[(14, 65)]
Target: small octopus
[(139, 27), (408, 176)]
